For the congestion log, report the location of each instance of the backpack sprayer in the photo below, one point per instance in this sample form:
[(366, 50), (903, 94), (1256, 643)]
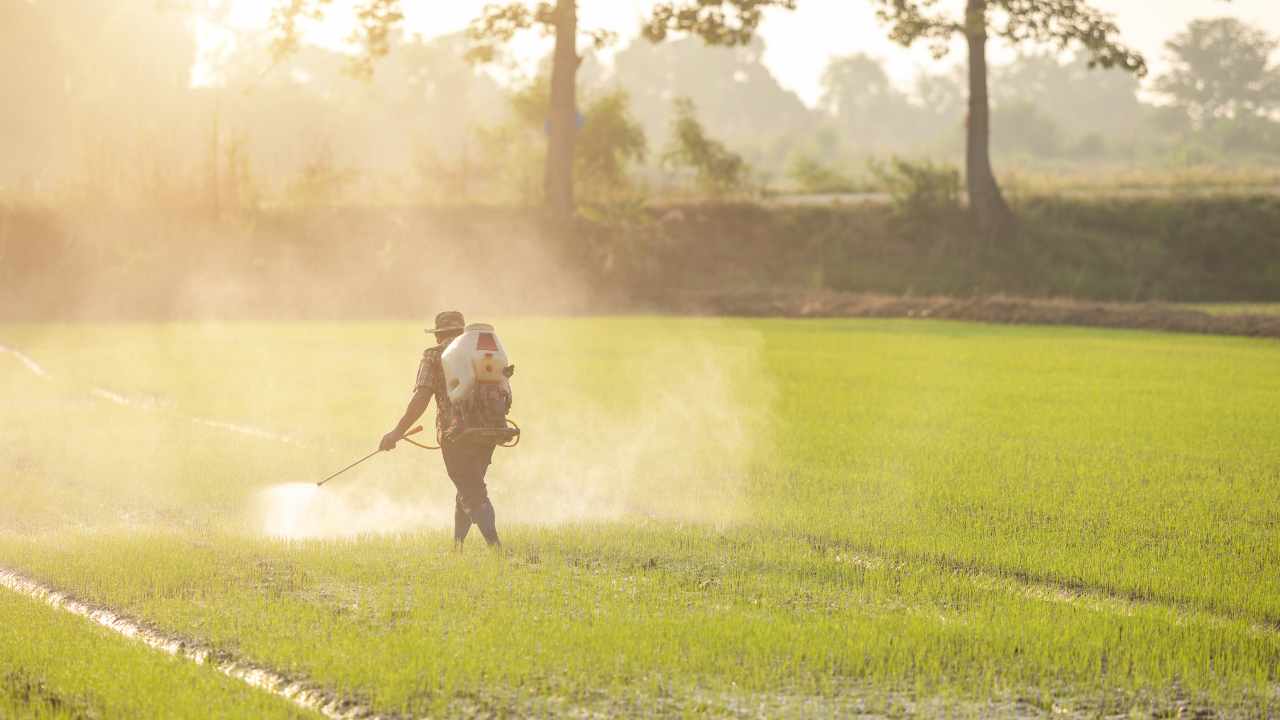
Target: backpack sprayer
[(477, 381), (477, 378)]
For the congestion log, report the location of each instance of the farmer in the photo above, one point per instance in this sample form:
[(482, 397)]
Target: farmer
[(466, 463)]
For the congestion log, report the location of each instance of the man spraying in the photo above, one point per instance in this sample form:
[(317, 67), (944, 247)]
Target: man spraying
[(466, 459)]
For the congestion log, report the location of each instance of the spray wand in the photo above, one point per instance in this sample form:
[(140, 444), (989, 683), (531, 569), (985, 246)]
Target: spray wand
[(414, 431), (502, 437)]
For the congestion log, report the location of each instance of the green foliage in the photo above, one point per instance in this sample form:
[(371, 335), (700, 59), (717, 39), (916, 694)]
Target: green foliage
[(1222, 69), (1142, 237), (856, 84), (738, 97), (858, 95), (511, 164), (1170, 248), (1059, 22), (920, 189), (498, 24), (377, 22), (811, 176), (717, 22), (1069, 94), (608, 144), (1042, 107), (717, 170)]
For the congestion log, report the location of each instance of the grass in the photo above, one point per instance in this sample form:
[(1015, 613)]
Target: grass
[(54, 665), (1237, 308), (843, 515), (1086, 179)]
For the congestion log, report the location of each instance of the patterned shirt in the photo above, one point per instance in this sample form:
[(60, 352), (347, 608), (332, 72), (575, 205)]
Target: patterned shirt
[(431, 381)]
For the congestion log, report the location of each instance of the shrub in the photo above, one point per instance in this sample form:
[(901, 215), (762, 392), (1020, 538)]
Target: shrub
[(812, 176), (919, 189)]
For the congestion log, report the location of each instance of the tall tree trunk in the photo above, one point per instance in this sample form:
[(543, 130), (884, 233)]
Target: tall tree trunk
[(562, 125), (985, 199)]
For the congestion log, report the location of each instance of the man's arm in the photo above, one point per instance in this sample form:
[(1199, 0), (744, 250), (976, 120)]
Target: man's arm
[(422, 392), (417, 405)]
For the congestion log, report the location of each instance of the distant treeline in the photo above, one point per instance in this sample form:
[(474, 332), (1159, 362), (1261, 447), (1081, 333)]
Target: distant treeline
[(94, 117), (392, 263)]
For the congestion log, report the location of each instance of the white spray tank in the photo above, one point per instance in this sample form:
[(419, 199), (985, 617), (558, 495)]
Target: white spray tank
[(473, 358)]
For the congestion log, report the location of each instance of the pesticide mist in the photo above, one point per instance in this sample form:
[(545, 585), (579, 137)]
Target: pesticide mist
[(303, 510), (618, 426)]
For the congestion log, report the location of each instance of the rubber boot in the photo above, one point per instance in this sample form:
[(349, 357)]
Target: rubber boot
[(461, 525), (486, 520)]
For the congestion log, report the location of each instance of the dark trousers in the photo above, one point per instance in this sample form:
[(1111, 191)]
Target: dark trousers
[(467, 464)]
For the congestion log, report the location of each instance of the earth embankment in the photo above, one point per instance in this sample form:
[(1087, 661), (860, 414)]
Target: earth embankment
[(1121, 262)]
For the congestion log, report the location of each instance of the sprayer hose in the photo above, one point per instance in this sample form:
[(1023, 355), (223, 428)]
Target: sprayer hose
[(515, 441), (424, 447)]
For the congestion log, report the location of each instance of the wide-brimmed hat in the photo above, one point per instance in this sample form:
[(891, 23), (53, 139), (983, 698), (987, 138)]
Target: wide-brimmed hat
[(448, 321)]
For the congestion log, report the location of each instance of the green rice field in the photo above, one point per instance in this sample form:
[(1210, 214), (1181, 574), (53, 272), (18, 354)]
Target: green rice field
[(705, 517), (59, 666)]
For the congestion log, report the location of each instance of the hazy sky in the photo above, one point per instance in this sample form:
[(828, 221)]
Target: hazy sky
[(800, 43)]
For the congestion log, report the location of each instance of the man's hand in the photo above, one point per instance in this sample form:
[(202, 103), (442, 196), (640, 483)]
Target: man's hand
[(389, 440), (417, 406)]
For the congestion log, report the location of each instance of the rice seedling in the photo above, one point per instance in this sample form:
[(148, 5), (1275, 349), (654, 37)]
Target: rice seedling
[(817, 517)]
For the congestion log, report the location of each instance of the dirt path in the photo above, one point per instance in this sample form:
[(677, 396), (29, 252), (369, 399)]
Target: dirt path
[(995, 309)]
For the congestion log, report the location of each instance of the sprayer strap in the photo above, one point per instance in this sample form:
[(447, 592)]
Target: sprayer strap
[(511, 435)]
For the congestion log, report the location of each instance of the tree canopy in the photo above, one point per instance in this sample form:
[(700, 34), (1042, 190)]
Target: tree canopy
[(1221, 68), (1062, 23), (736, 93)]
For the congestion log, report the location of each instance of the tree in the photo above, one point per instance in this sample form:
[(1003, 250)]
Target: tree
[(737, 94), (943, 103), (1064, 23), (718, 169), (1020, 126), (609, 142), (1084, 101), (856, 84), (717, 22), (1221, 69), (857, 91)]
